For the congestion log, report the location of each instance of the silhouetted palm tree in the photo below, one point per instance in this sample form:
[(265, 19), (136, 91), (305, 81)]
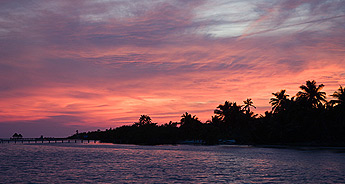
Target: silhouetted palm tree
[(280, 100), (230, 114), (144, 120), (227, 110), (340, 96), (267, 115), (191, 127), (223, 110), (247, 104), (301, 119), (216, 121), (312, 94), (188, 119)]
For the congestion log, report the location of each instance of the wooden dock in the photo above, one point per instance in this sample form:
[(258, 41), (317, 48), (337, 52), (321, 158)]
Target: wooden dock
[(45, 140)]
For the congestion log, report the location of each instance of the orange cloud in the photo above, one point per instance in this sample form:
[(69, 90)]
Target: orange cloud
[(87, 69)]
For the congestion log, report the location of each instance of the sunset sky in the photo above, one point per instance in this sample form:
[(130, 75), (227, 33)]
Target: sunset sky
[(68, 65)]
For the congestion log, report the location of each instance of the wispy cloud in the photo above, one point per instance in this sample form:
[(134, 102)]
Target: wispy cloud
[(107, 62)]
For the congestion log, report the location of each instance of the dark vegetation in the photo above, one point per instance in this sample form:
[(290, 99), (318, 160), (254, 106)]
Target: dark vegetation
[(304, 119)]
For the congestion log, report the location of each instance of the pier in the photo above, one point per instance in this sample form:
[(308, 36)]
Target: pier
[(44, 140)]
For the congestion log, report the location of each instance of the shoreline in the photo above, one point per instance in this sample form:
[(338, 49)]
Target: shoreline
[(301, 146)]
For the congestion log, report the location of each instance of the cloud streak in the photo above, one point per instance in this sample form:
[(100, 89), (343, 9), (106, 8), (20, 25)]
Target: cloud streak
[(107, 62)]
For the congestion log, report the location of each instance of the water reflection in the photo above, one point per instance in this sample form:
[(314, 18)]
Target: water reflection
[(110, 163)]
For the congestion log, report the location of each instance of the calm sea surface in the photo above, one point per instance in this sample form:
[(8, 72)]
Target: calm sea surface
[(109, 163)]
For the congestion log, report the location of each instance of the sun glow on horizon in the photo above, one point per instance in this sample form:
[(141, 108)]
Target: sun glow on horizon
[(111, 61)]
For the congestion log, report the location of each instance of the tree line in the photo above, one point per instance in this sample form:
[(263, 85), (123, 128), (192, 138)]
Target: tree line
[(304, 119)]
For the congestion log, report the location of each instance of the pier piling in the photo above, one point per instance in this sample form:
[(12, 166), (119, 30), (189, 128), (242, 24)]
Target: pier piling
[(43, 140)]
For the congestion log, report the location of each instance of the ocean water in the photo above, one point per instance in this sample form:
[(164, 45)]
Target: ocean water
[(111, 163)]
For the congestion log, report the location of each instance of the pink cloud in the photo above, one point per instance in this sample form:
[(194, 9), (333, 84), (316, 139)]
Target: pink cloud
[(107, 70)]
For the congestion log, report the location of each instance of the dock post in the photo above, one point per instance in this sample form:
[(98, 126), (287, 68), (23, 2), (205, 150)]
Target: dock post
[(75, 141), (62, 140), (88, 141)]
